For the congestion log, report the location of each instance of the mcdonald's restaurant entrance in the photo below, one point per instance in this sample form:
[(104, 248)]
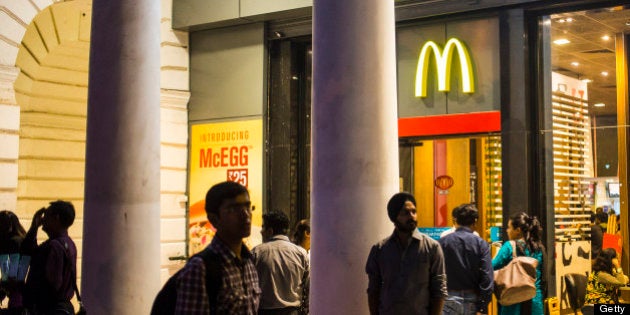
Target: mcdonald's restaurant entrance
[(449, 120), (444, 173)]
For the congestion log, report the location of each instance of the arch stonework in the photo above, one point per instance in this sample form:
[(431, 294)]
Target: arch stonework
[(44, 54)]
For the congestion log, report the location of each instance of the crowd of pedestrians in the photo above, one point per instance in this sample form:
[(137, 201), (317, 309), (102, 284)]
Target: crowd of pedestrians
[(408, 272), (272, 278)]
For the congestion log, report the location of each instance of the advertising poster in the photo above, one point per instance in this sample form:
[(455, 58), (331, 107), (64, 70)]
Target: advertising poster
[(219, 152)]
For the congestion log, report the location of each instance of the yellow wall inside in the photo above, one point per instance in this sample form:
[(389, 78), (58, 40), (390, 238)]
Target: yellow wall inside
[(457, 160), (423, 183), (458, 167)]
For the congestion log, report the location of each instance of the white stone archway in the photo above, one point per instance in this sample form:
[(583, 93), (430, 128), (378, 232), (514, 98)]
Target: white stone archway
[(44, 49)]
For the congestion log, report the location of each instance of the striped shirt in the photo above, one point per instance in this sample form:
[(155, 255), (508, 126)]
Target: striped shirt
[(239, 292)]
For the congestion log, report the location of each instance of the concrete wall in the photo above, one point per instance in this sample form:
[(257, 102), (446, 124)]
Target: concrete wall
[(203, 14), (227, 72)]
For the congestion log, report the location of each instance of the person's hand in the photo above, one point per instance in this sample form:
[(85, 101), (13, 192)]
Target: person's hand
[(615, 262), (38, 218)]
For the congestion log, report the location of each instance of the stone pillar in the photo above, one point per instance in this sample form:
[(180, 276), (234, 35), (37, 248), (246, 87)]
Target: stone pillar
[(121, 248), (355, 146)]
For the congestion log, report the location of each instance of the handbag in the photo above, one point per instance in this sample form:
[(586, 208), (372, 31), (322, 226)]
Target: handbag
[(516, 282)]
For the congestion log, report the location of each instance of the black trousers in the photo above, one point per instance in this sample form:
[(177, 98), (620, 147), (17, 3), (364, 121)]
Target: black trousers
[(280, 311), (60, 308)]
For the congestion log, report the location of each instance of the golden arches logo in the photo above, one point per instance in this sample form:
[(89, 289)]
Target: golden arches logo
[(444, 59)]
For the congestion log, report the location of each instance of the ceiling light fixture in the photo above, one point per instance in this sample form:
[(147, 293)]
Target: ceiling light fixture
[(575, 63), (570, 20), (561, 41), (586, 80), (606, 37), (561, 20), (599, 104), (605, 73)]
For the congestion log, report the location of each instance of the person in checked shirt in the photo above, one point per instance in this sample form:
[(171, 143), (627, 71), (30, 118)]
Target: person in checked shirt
[(229, 209)]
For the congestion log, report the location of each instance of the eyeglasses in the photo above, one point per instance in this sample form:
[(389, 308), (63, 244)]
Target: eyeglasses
[(239, 206)]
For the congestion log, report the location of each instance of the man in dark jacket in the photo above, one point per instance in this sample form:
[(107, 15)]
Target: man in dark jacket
[(468, 266), (52, 275)]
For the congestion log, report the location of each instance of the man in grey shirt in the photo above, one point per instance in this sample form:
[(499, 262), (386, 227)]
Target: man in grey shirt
[(406, 270), (283, 269)]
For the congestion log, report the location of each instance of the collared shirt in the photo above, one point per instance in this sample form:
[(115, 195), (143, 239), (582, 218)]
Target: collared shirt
[(406, 277), (53, 264), (469, 265), (283, 270), (238, 294)]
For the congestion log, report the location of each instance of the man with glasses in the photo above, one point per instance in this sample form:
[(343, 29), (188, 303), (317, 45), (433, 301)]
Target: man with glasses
[(231, 284)]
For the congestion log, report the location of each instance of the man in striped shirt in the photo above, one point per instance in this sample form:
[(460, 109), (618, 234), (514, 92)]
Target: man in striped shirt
[(229, 210)]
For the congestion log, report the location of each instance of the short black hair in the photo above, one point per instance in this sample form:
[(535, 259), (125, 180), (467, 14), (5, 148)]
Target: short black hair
[(276, 220), (65, 211), (300, 231), (602, 217), (221, 192), (397, 202), (466, 214)]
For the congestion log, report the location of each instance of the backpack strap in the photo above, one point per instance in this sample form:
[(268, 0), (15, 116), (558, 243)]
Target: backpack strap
[(214, 277), (72, 272)]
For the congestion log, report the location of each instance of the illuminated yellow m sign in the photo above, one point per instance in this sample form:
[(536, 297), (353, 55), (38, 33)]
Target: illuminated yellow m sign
[(443, 61)]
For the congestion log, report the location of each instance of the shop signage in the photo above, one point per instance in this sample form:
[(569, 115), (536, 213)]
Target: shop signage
[(224, 151), (444, 60), (444, 182)]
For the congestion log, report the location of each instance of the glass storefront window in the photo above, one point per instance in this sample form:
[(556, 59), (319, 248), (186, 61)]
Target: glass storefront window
[(583, 110), (582, 52)]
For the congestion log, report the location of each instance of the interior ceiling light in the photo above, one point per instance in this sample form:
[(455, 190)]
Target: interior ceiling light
[(605, 73), (570, 20), (606, 37), (561, 20), (586, 80), (575, 63), (599, 104), (561, 41)]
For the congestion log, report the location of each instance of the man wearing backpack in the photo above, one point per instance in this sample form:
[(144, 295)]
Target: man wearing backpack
[(51, 280), (222, 279)]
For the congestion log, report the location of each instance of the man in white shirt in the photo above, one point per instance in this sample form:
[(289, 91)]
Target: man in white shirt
[(283, 269)]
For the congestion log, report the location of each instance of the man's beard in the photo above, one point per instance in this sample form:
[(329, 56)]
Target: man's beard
[(406, 227)]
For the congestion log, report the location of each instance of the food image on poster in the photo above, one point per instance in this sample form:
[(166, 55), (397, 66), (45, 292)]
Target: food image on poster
[(219, 152)]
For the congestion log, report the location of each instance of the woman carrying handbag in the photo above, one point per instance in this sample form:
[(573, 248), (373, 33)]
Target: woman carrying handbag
[(525, 231)]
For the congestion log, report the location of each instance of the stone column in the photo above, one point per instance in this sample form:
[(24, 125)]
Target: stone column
[(355, 146), (121, 248)]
